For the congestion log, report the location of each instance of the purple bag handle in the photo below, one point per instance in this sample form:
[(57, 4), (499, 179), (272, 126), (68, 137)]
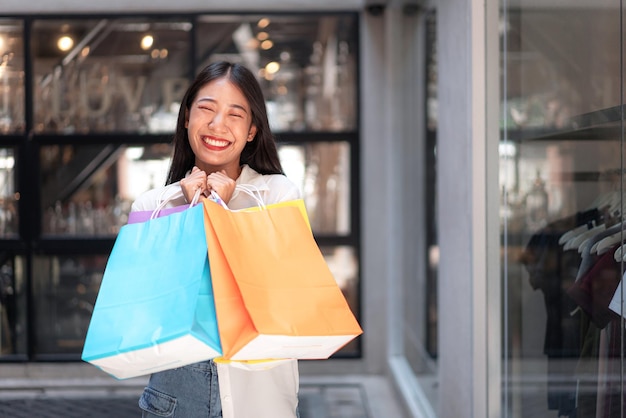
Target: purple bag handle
[(146, 215)]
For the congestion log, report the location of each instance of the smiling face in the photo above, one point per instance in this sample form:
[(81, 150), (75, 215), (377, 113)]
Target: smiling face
[(219, 124)]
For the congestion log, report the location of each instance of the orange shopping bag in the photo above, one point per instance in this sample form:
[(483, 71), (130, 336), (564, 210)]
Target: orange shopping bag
[(275, 296)]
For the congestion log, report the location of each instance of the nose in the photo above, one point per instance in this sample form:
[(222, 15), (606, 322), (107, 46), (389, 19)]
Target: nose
[(218, 120)]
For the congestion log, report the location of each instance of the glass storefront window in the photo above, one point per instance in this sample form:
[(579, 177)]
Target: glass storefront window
[(306, 64), (343, 263), (13, 330), (64, 294), (9, 197), (87, 190), (11, 76), (109, 75), (322, 170), (561, 183), (105, 95)]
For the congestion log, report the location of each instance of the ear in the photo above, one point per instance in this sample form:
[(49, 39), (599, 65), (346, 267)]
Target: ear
[(251, 133), (186, 118)]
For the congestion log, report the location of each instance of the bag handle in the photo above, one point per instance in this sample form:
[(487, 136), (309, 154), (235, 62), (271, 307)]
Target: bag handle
[(252, 191), (161, 201), (217, 199), (248, 189), (161, 205)]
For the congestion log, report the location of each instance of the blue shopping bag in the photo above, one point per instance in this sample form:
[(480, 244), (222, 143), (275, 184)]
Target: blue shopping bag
[(155, 308)]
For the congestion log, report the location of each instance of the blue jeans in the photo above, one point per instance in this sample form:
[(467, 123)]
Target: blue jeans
[(187, 392)]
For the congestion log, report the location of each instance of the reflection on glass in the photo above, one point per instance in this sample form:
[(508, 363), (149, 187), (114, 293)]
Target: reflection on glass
[(11, 76), (103, 76), (12, 306), (322, 170), (64, 292), (306, 64), (87, 190), (561, 180), (8, 196), (344, 266)]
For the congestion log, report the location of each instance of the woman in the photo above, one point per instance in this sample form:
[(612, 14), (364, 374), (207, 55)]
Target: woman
[(222, 140)]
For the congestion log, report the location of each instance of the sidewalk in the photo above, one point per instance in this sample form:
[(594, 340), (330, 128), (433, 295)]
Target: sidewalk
[(73, 390), (316, 401)]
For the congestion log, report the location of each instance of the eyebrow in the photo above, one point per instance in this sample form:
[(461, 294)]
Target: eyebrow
[(209, 99)]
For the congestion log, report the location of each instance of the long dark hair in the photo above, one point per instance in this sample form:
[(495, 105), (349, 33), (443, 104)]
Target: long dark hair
[(260, 153)]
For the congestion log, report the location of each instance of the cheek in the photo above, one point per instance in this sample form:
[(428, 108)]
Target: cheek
[(192, 124)]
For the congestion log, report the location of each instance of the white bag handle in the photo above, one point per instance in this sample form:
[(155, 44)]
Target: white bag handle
[(248, 189), (176, 195), (253, 192), (217, 199)]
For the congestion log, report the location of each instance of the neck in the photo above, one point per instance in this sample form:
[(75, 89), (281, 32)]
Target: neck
[(232, 171)]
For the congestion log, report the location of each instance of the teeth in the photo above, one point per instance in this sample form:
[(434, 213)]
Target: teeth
[(215, 142)]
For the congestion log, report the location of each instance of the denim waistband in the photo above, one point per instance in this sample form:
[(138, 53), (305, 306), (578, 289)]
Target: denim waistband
[(203, 366)]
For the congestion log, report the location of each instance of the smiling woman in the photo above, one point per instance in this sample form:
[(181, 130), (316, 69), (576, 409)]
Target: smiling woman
[(222, 140)]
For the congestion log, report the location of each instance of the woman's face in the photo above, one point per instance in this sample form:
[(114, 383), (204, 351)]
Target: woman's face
[(219, 124)]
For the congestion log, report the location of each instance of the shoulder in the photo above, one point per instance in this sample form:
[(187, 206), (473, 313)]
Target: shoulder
[(150, 199), (280, 183), (274, 188)]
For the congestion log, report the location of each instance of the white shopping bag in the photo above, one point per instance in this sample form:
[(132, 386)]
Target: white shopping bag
[(258, 389)]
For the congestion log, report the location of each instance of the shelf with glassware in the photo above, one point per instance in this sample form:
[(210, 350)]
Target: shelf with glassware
[(548, 172), (600, 124)]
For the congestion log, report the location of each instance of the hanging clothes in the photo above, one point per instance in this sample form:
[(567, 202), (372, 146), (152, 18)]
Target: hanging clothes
[(552, 270)]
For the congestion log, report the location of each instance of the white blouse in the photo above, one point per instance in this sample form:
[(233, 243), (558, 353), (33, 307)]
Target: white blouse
[(273, 188)]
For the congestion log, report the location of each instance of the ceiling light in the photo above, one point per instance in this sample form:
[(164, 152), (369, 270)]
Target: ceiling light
[(65, 43), (146, 42), (7, 163), (272, 67), (261, 36), (134, 153), (263, 23), (267, 44)]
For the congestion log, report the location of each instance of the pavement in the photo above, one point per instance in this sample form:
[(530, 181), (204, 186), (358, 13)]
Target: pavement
[(316, 401), (320, 397)]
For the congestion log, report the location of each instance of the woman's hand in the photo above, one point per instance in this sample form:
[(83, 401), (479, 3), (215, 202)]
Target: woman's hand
[(194, 181), (223, 185)]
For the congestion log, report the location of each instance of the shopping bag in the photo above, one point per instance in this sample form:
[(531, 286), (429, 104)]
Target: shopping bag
[(154, 309), (275, 296), (259, 389)]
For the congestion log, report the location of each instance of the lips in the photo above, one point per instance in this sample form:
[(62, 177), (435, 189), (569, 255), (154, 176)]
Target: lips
[(215, 143)]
